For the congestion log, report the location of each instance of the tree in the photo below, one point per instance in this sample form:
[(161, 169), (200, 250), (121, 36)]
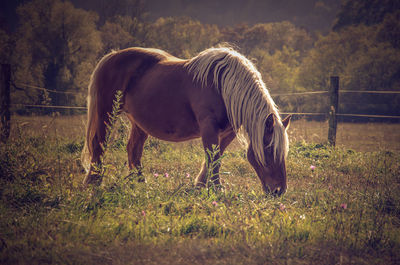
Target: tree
[(352, 48), (362, 62), (5, 47), (56, 48), (279, 69), (108, 10), (389, 29), (181, 36), (114, 37), (269, 37), (367, 12), (135, 27), (122, 32)]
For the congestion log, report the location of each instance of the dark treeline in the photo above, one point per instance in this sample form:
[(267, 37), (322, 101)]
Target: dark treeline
[(57, 45)]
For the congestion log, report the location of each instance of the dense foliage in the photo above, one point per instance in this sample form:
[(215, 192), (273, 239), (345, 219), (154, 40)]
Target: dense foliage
[(56, 46)]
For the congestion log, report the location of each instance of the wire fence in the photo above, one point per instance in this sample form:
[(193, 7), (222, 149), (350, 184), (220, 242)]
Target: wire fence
[(49, 106), (19, 85), (331, 114)]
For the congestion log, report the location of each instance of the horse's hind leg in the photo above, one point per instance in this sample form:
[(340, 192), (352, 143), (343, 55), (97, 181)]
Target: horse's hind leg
[(93, 176), (135, 148)]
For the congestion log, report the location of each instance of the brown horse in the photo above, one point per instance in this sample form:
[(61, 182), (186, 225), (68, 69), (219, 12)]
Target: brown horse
[(216, 95)]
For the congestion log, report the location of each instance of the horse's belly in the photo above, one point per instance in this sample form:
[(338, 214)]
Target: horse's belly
[(169, 122), (173, 130)]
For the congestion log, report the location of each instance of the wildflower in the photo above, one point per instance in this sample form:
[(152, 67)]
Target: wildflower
[(343, 206), (166, 175), (155, 174), (330, 187), (214, 203), (187, 175), (312, 167), (303, 216), (282, 207), (143, 213)]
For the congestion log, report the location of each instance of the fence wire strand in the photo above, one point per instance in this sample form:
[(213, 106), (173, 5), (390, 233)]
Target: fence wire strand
[(49, 106), (299, 93), (45, 89)]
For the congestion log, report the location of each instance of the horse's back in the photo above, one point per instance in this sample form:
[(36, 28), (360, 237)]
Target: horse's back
[(124, 68), (128, 60), (134, 55)]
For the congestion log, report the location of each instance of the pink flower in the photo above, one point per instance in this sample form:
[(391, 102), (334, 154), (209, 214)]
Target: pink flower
[(143, 213), (282, 207), (343, 206), (312, 167), (166, 175), (187, 175), (155, 174), (214, 203), (330, 187)]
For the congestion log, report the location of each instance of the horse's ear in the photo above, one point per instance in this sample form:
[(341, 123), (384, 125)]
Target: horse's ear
[(269, 124), (286, 122)]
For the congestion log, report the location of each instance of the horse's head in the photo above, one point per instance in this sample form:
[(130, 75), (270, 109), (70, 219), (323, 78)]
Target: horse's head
[(272, 172)]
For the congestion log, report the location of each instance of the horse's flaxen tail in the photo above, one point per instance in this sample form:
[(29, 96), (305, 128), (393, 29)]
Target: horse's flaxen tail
[(93, 118)]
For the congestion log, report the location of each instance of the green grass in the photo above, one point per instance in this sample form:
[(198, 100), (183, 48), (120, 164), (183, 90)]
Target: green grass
[(346, 210)]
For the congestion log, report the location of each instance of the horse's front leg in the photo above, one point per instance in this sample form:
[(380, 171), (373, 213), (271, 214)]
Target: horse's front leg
[(225, 139), (209, 135)]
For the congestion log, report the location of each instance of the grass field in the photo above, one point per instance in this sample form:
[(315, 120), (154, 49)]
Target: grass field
[(344, 211)]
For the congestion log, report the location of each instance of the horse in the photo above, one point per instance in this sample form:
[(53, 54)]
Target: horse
[(217, 96)]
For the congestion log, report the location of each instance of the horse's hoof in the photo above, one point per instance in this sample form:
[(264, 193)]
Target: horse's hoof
[(200, 185), (216, 187), (141, 179), (92, 179)]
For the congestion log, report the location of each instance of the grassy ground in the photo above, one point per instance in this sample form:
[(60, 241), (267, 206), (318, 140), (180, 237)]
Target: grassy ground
[(345, 211)]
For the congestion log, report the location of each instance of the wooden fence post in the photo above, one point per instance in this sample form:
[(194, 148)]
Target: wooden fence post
[(333, 109), (5, 76)]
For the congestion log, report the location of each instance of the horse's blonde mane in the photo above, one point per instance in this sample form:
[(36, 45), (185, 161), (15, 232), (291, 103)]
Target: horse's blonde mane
[(247, 101)]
